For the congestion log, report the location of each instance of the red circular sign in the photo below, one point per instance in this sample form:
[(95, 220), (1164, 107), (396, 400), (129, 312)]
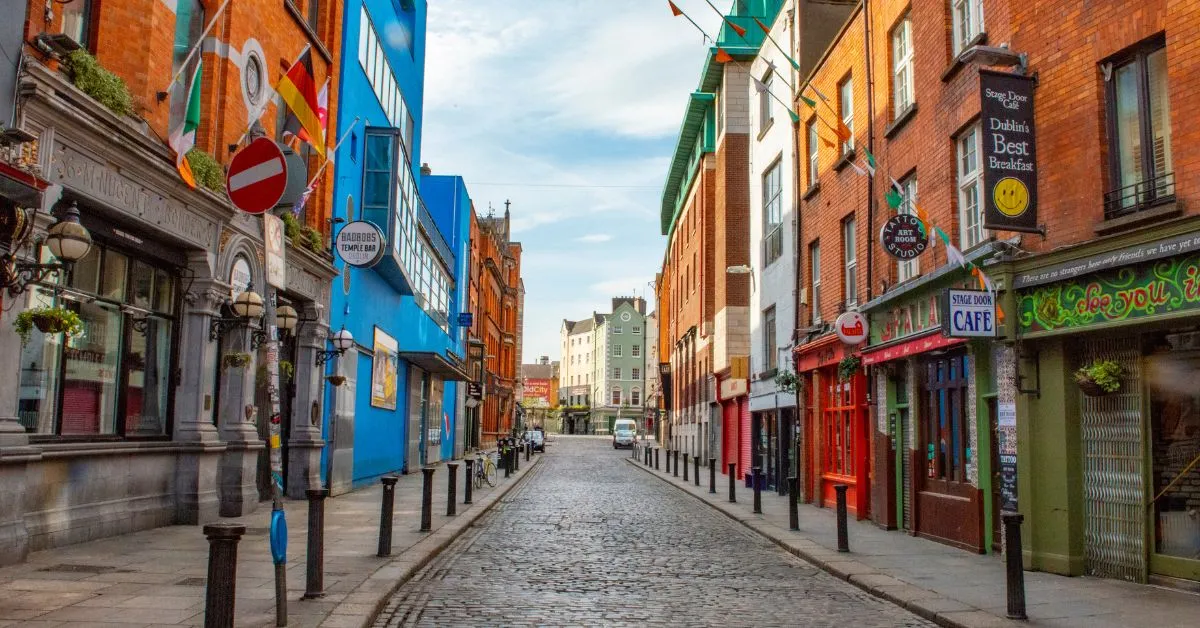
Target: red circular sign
[(851, 328), (257, 176)]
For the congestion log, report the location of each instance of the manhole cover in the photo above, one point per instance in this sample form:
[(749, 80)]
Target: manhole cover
[(79, 568), (190, 582)]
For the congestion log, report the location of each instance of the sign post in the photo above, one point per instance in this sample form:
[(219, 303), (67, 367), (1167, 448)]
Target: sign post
[(1009, 152)]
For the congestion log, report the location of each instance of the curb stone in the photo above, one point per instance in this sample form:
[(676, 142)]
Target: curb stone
[(924, 603)]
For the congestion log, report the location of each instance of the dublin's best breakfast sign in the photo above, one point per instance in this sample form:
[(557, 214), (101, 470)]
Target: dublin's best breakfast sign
[(1009, 157)]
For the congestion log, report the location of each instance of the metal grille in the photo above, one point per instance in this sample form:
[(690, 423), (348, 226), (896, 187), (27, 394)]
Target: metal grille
[(906, 468), (1111, 435)]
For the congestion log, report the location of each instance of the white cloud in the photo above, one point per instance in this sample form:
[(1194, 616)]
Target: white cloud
[(594, 237)]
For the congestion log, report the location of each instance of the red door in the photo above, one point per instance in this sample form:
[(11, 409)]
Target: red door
[(730, 430), (844, 441), (746, 441)]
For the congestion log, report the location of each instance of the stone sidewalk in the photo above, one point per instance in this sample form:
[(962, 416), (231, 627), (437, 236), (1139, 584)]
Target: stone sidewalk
[(946, 585), (157, 577)]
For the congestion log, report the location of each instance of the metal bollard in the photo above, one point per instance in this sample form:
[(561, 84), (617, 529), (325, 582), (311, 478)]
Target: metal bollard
[(314, 586), (451, 489), (470, 480), (1014, 570), (219, 594), (685, 468), (656, 457), (427, 499), (755, 476), (732, 497), (515, 448), (668, 461), (712, 476), (528, 451), (843, 539), (675, 466), (507, 462), (696, 470), (793, 505), (385, 515)]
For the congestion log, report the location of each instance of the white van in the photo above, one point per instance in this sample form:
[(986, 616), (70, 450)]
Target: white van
[(624, 433)]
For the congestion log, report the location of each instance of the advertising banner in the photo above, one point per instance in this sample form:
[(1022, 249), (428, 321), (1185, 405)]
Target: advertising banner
[(1009, 157), (537, 393)]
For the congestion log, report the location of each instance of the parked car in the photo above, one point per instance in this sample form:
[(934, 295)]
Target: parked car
[(537, 438), (624, 433)]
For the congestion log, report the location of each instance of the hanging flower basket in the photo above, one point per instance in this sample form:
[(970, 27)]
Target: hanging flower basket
[(848, 367), (336, 380), (1102, 377), (48, 320)]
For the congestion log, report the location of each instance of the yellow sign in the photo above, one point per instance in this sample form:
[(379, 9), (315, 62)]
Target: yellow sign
[(1011, 196)]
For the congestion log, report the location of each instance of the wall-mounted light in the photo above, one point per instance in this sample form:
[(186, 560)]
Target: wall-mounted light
[(247, 307), (743, 270), (995, 56), (342, 340), (67, 240)]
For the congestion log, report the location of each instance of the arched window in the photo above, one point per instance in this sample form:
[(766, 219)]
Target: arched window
[(616, 397)]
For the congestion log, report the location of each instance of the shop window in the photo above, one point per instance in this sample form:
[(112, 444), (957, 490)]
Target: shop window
[(838, 426), (114, 379), (944, 418), (1139, 131), (903, 94), (1175, 430), (772, 244)]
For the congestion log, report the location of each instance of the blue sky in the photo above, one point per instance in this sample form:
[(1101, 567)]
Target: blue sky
[(545, 102)]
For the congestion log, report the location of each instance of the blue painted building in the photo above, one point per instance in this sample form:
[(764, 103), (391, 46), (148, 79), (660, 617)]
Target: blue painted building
[(397, 407)]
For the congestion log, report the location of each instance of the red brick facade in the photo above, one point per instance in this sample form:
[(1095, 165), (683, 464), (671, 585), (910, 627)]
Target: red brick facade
[(493, 293)]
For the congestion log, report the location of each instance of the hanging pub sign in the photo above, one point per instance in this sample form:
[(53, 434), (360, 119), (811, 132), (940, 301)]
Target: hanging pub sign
[(969, 314), (1009, 154), (851, 328), (360, 244), (903, 237)]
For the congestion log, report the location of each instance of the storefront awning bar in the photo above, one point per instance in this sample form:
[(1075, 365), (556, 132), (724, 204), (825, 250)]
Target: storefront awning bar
[(928, 341), (437, 364)]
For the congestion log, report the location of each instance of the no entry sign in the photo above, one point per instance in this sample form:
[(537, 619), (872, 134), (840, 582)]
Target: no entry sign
[(257, 177)]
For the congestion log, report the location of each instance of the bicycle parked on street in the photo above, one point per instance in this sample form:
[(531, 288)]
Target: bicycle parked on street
[(485, 469)]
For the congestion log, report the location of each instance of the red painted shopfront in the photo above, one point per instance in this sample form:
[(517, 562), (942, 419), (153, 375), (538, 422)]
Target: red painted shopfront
[(735, 424), (836, 428)]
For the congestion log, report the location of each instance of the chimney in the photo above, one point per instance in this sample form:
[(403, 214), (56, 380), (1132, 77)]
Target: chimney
[(545, 359), (426, 170)]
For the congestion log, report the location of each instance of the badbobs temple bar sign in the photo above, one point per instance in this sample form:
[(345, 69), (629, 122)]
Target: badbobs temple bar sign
[(1009, 155)]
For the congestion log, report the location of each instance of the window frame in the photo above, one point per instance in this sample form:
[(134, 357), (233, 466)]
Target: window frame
[(909, 269), (850, 261), (846, 110), (965, 180), (617, 351), (814, 280), (814, 156), (1137, 56), (614, 397), (770, 350), (772, 208), (765, 115), (972, 10), (902, 64)]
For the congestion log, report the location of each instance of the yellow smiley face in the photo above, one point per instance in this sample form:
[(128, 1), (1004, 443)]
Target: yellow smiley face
[(1011, 197)]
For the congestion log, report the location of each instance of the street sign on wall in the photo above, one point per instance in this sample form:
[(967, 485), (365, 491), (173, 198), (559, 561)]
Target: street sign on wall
[(257, 176)]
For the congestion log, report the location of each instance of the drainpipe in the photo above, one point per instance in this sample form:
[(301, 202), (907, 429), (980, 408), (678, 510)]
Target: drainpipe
[(870, 147), (799, 274)]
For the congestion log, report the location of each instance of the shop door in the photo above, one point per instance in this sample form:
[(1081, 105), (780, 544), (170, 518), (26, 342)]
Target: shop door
[(1113, 473), (843, 444), (730, 430), (745, 436), (949, 507)]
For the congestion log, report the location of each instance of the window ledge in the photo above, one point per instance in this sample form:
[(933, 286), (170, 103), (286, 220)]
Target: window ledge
[(955, 64), (312, 35), (765, 128), (844, 161), (768, 374), (901, 121), (812, 191), (1138, 219)]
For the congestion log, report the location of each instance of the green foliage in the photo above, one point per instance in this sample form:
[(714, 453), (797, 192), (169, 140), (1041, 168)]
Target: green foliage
[(291, 227), (848, 367), (786, 381), (286, 370), (311, 239), (97, 82), (208, 172), (1106, 374), (50, 320)]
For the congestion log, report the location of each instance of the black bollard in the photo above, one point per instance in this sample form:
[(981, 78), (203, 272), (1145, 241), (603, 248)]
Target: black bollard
[(451, 489), (528, 451), (685, 468), (668, 461), (219, 593), (656, 457), (793, 505), (507, 457), (314, 585), (514, 447), (712, 476), (755, 474), (385, 515), (843, 539), (732, 497), (696, 470), (675, 466), (470, 480), (1014, 570), (427, 499)]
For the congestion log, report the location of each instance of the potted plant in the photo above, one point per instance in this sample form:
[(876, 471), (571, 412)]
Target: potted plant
[(848, 367), (1101, 377), (236, 360), (48, 320), (336, 380), (786, 381)]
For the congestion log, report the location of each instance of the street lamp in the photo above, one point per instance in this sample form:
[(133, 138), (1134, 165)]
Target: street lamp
[(743, 270), (342, 340), (994, 56), (68, 240), (246, 307), (286, 318)]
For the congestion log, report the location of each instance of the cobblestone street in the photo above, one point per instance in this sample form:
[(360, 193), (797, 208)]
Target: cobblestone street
[(590, 540)]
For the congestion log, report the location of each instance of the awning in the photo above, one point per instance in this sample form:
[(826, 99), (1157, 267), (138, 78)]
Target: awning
[(20, 187), (926, 342), (437, 364)]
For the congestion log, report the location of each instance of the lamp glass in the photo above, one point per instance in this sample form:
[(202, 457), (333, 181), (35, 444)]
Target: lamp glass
[(69, 241), (343, 340), (248, 305), (285, 318)]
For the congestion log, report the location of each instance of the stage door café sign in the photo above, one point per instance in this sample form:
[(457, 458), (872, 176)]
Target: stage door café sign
[(1009, 157)]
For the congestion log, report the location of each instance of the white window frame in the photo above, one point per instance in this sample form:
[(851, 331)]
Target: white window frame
[(636, 375), (765, 115), (813, 154), (909, 269), (636, 329), (635, 397), (772, 199), (636, 351), (814, 262), (966, 22), (970, 183), (903, 94), (770, 354), (617, 351), (616, 372), (850, 260), (614, 397), (846, 104)]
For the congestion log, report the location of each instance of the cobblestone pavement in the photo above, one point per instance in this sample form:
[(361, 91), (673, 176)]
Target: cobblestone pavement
[(589, 540)]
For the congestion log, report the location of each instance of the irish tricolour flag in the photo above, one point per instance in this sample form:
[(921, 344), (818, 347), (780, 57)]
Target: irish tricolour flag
[(183, 136)]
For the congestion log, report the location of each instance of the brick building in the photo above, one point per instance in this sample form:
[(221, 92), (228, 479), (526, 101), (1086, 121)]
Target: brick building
[(137, 423)]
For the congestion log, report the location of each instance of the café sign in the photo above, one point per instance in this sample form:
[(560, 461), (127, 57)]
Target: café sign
[(969, 314), (1009, 156)]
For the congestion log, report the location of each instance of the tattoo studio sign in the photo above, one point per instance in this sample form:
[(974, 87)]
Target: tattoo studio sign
[(1009, 157)]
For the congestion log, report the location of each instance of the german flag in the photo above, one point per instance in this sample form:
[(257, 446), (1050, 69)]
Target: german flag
[(299, 90)]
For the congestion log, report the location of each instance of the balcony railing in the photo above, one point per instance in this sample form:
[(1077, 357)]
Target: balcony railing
[(1139, 196)]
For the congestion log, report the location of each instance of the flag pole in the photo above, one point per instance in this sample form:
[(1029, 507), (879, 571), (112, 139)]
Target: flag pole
[(333, 149), (741, 32), (199, 43), (678, 11)]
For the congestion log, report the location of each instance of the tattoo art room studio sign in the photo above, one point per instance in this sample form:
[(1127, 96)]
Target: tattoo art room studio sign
[(1009, 156)]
